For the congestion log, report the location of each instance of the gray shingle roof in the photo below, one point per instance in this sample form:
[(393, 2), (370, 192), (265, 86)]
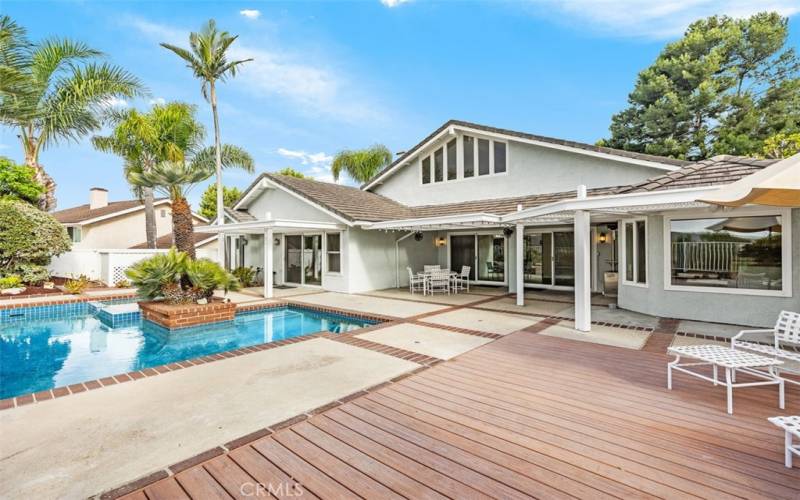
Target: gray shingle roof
[(355, 204), (167, 241), (239, 215), (524, 135), (721, 169)]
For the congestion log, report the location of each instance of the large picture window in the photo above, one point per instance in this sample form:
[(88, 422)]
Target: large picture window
[(727, 252), (635, 242), (333, 252)]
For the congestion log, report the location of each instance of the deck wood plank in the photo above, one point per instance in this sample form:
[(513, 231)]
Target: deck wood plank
[(524, 415)]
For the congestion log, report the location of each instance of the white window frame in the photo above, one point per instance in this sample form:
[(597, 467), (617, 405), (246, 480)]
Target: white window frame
[(623, 253), (327, 252), (75, 230), (460, 160), (786, 250), (476, 234)]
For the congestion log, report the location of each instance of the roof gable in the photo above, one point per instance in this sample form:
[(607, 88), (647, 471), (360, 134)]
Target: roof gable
[(573, 146), (83, 214)]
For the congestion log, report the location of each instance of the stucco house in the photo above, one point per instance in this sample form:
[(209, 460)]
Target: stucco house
[(105, 231), (526, 211)]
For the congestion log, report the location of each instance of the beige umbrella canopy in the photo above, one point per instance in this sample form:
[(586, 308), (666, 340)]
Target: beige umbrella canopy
[(777, 185)]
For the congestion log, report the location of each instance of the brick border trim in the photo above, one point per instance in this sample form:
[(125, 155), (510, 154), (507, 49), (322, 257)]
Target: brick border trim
[(71, 299)]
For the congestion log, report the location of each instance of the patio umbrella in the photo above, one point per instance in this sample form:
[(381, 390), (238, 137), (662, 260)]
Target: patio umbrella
[(748, 224), (776, 185)]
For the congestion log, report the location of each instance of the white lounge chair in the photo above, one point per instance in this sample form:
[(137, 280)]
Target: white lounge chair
[(785, 334), (439, 281), (791, 426), (415, 282), (461, 281)]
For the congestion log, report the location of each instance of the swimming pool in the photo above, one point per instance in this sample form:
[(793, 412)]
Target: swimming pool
[(67, 344)]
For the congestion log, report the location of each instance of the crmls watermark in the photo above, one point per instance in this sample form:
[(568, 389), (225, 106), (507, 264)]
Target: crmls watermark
[(283, 489)]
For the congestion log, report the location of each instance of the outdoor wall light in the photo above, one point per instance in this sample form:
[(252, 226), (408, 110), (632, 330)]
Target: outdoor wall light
[(277, 241), (440, 241), (603, 238), (508, 231), (418, 236)]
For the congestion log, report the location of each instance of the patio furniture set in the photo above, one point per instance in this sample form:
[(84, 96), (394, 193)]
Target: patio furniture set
[(434, 279), (765, 362)]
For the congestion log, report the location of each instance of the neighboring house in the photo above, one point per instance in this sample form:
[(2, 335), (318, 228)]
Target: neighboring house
[(509, 205), (101, 231)]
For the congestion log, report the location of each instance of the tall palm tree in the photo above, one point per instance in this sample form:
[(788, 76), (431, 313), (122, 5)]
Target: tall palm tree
[(189, 165), (361, 165), (208, 60), (60, 93), (145, 139)]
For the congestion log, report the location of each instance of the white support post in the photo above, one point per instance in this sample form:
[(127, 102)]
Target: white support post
[(583, 297), (520, 258), (268, 244)]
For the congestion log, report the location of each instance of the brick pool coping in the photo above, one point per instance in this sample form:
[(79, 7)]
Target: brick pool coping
[(69, 299)]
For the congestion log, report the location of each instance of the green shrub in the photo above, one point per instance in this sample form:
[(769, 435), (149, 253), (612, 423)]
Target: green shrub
[(33, 274), (10, 281), (76, 286), (28, 236), (176, 278), (123, 283), (245, 275), (18, 182)]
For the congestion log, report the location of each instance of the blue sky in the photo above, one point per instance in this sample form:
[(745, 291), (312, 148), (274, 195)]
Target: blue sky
[(334, 75)]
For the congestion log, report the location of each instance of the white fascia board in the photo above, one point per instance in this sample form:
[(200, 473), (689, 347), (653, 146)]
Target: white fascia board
[(276, 224), (562, 147), (204, 219), (614, 201), (506, 137), (249, 193), (117, 214), (266, 183), (477, 218)]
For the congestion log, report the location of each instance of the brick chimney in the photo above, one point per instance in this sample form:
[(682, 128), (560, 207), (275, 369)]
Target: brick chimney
[(98, 198)]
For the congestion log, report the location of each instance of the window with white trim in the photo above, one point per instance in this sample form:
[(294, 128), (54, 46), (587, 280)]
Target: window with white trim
[(634, 237), (464, 157), (74, 233), (333, 252), (728, 253)]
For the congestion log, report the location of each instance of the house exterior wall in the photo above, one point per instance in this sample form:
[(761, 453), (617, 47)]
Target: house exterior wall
[(531, 170), (125, 230), (754, 310), (282, 205)]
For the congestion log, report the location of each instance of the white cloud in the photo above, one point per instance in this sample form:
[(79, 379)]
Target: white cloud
[(653, 19), (250, 13), (394, 3), (114, 102), (318, 165), (313, 87), (4, 146), (158, 100)]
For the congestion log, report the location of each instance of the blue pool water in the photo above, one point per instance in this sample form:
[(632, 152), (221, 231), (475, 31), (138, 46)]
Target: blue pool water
[(63, 345)]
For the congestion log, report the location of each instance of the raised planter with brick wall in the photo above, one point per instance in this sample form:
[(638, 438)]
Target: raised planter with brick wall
[(174, 316)]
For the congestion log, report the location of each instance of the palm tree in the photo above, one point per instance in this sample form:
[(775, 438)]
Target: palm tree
[(59, 93), (209, 62), (362, 164), (145, 139), (189, 165)]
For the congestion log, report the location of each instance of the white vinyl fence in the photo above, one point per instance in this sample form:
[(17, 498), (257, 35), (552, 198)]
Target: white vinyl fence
[(107, 266)]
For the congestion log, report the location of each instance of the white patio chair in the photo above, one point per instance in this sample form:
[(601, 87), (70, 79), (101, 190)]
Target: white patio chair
[(415, 282), (439, 281), (785, 339), (791, 429), (461, 281), (430, 269)]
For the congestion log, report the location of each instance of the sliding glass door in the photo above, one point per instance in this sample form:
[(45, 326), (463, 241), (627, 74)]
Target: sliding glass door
[(549, 259), (303, 258), (483, 253)]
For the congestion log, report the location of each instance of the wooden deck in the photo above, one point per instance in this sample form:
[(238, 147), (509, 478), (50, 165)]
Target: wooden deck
[(524, 416)]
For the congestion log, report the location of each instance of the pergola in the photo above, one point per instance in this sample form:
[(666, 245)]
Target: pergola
[(579, 211), (269, 228)]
